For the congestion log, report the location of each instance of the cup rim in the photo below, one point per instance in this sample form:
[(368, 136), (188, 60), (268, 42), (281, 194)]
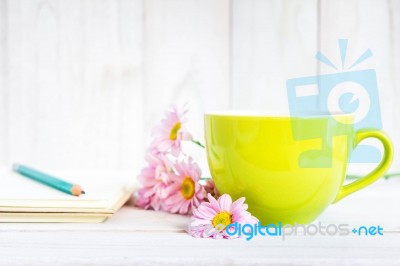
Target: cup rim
[(271, 114)]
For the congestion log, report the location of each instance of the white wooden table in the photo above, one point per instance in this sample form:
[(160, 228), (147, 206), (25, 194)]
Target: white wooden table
[(138, 237)]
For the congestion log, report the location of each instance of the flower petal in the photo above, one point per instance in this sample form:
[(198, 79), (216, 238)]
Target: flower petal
[(214, 203), (174, 199), (237, 205), (164, 145), (186, 136), (185, 207), (225, 202), (205, 212)]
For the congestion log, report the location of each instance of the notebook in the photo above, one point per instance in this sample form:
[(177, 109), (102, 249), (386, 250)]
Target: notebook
[(25, 200)]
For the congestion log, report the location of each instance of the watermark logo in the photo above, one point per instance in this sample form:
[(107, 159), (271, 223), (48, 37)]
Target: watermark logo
[(249, 231), (346, 91)]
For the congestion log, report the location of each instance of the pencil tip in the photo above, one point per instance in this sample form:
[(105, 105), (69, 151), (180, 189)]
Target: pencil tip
[(76, 190)]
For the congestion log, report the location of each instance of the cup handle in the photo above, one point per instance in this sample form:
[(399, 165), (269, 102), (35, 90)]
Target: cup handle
[(378, 171)]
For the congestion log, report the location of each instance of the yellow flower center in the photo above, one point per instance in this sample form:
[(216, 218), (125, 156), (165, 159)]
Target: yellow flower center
[(187, 188), (222, 219), (173, 135)]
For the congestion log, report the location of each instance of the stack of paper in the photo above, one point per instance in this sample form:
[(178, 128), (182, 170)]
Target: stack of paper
[(25, 200)]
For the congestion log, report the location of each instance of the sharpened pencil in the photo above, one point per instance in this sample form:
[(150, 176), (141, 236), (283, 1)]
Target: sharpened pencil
[(51, 181)]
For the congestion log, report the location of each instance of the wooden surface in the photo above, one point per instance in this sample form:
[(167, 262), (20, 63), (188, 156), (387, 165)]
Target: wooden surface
[(134, 237), (83, 82)]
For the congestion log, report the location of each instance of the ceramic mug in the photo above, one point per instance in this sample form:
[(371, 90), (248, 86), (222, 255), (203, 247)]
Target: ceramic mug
[(289, 169)]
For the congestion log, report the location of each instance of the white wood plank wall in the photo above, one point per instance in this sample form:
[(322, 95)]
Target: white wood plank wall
[(82, 82)]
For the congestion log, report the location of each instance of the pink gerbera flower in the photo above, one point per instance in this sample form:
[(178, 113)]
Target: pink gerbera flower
[(155, 179), (211, 218), (185, 192), (171, 132)]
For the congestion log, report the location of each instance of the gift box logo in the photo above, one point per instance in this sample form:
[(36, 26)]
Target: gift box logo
[(343, 92)]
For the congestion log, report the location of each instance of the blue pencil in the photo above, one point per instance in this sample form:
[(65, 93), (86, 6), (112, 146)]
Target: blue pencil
[(51, 181)]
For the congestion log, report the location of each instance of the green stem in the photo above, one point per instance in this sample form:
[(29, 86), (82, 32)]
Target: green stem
[(198, 143), (391, 175), (205, 178), (386, 176)]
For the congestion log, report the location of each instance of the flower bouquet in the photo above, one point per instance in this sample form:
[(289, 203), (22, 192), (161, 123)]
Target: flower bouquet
[(172, 182)]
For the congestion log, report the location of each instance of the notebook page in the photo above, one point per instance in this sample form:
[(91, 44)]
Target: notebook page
[(102, 190)]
